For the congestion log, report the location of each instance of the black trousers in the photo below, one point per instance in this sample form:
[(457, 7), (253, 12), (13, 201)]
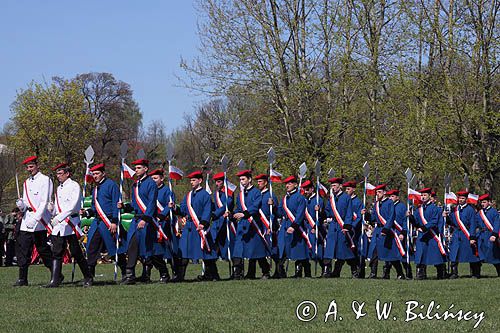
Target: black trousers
[(11, 251), (95, 248), (132, 252), (24, 247), (60, 243)]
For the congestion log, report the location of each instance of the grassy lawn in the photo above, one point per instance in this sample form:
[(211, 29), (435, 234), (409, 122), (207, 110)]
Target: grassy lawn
[(240, 306)]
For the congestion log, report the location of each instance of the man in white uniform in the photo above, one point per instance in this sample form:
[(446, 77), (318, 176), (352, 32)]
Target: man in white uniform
[(35, 226), (66, 226)]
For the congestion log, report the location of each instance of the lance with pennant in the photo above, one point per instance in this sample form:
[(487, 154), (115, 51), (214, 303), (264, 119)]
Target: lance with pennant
[(224, 163)]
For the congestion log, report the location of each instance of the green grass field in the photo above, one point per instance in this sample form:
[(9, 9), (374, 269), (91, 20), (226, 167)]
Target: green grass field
[(239, 306)]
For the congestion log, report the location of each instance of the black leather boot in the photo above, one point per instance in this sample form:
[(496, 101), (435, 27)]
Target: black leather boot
[(454, 270), (399, 270), (55, 279), (298, 270), (88, 277), (408, 271), (129, 277), (147, 267), (476, 270), (373, 269), (386, 270), (327, 269), (180, 270), (421, 272), (307, 268), (265, 268), (252, 268), (23, 277), (238, 268), (337, 268), (497, 267)]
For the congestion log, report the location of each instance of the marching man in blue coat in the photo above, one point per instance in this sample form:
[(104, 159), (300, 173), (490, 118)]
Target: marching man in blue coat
[(488, 226), (162, 247), (357, 224), (220, 218), (250, 240), (402, 228), (429, 246), (196, 240), (104, 227), (386, 244), (141, 234), (265, 217), (340, 243), (315, 205), (463, 244), (293, 242)]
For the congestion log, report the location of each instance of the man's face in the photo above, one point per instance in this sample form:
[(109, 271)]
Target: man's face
[(219, 183), (62, 176), (158, 179), (426, 197), (462, 200), (308, 191), (380, 194), (261, 184), (32, 168), (98, 176), (195, 182), (141, 170), (394, 197), (290, 186), (349, 190), (245, 181), (335, 187), (433, 199), (485, 203)]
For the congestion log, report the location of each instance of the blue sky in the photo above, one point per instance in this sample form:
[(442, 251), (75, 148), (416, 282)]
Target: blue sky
[(139, 42)]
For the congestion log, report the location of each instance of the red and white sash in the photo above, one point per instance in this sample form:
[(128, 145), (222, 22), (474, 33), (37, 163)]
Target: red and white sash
[(291, 217), (196, 221), (309, 219), (486, 221), (219, 203), (250, 219), (394, 234), (159, 230), (461, 225), (100, 211), (434, 235), (45, 224), (339, 220), (68, 221), (143, 208)]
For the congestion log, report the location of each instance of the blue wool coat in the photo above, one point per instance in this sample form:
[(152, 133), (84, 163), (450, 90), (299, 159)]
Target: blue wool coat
[(190, 242), (428, 242), (338, 243), (293, 246)]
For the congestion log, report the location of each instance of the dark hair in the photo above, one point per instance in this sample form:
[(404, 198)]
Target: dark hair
[(15, 210)]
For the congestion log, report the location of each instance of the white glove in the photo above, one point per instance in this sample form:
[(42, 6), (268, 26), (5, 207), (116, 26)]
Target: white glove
[(50, 207), (20, 204), (55, 222)]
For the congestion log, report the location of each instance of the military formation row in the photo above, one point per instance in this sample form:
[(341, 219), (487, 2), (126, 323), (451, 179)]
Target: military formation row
[(251, 224)]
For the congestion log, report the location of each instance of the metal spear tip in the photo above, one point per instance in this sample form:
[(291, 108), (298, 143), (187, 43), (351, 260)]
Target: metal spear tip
[(331, 173), (366, 169), (241, 165), (224, 161), (271, 155), (317, 168), (302, 170), (409, 175), (123, 149), (89, 155), (466, 181), (170, 151), (141, 154), (208, 162)]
